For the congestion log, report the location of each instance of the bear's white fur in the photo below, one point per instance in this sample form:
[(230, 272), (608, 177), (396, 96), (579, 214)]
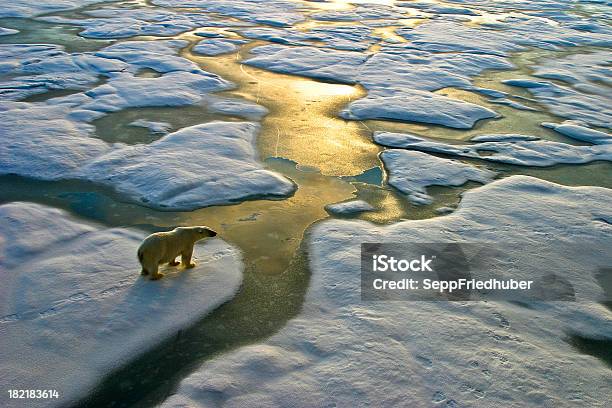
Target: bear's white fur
[(164, 247)]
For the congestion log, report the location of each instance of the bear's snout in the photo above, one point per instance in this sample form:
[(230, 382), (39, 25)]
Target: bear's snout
[(213, 233)]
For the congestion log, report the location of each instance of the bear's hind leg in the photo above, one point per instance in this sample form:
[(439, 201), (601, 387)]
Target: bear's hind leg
[(186, 258), (144, 272)]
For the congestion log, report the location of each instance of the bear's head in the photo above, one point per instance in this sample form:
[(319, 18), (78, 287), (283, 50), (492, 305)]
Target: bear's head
[(196, 233), (205, 231)]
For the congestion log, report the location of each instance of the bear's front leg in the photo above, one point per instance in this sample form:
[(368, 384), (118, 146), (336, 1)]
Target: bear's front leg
[(186, 258), (173, 262), (155, 274)]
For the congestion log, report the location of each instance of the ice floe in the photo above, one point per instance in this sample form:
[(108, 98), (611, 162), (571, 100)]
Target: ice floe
[(111, 80), (43, 142), (412, 172), (394, 71), (125, 90), (349, 207), (109, 22), (512, 149), (512, 104), (160, 55), (342, 351), (569, 102), (152, 126), (7, 31), (198, 166), (351, 38), (235, 107), (216, 46), (579, 132), (281, 13), (53, 140), (396, 82), (31, 8), (75, 307), (361, 14), (208, 164), (434, 8), (308, 61), (585, 95), (38, 68), (578, 68), (418, 106), (501, 38)]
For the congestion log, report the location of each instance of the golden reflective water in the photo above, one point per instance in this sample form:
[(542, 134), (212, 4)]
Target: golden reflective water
[(302, 125)]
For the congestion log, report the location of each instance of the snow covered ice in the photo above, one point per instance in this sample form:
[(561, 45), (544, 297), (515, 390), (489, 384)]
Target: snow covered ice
[(159, 175), (59, 142), (30, 8), (75, 307), (345, 352), (155, 175), (349, 207), (216, 46), (411, 172), (505, 148)]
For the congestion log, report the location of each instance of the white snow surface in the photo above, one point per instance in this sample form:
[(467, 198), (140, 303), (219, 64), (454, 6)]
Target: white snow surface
[(52, 140), (31, 8), (7, 31), (585, 94), (312, 62), (361, 14), (198, 166), (152, 126), (501, 38), (578, 131), (342, 351), (349, 207), (589, 104), (36, 69), (507, 148), (350, 37), (418, 106), (216, 46), (280, 13), (412, 172), (394, 68), (110, 23), (578, 68), (42, 142), (397, 82), (75, 306), (235, 107), (40, 68)]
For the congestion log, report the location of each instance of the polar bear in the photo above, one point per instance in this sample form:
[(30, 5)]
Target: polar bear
[(164, 247)]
